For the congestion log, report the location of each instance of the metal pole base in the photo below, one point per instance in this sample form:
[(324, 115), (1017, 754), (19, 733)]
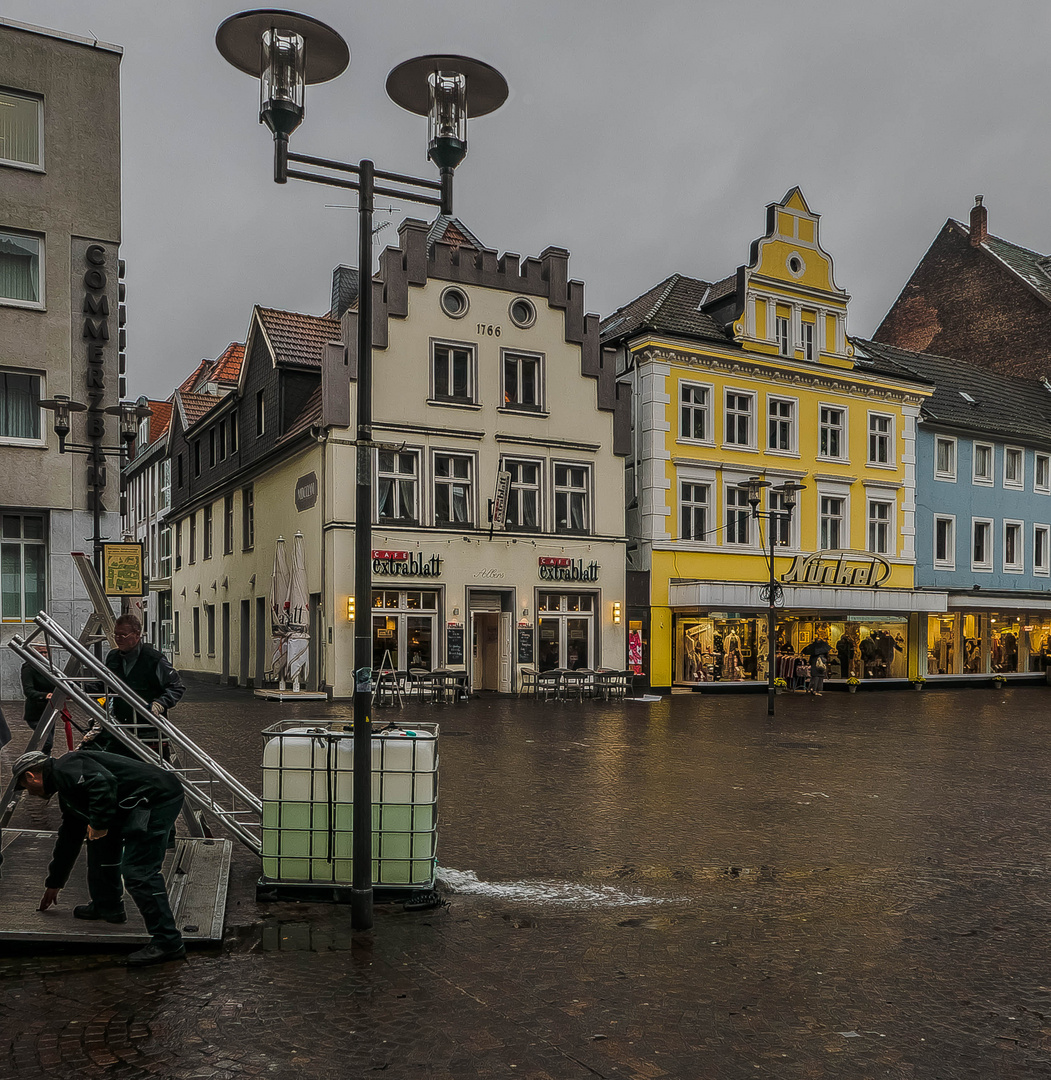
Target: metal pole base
[(361, 909)]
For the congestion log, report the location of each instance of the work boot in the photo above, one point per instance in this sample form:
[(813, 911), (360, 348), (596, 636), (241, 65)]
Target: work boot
[(90, 912), (156, 954)]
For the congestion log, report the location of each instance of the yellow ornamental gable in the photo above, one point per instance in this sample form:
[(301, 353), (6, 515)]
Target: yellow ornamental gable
[(793, 306)]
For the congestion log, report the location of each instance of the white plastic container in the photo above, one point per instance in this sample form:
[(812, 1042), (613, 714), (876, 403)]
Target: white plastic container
[(308, 794)]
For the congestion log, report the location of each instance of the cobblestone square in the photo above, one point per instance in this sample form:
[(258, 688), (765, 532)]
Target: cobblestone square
[(685, 888)]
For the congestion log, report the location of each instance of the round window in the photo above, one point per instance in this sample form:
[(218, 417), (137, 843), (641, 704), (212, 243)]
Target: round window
[(522, 312), (454, 303), (796, 266)]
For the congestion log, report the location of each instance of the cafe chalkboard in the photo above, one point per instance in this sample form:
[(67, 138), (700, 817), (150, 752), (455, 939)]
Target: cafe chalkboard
[(525, 645), (454, 645)]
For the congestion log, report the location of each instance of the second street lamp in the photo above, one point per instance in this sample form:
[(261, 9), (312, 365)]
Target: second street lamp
[(772, 591), (285, 51)]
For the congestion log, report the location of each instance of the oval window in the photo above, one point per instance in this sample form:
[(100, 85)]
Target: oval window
[(454, 303), (522, 312)]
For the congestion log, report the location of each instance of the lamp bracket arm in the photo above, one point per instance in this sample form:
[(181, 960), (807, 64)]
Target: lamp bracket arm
[(379, 174)]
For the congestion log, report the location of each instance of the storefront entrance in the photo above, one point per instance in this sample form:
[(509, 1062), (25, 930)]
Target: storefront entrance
[(403, 625), (566, 631), (491, 615)]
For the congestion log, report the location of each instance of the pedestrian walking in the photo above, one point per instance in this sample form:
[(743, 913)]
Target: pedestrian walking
[(125, 808), (818, 671), (36, 689)]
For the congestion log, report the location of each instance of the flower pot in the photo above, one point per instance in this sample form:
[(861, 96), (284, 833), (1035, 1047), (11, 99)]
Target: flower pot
[(851, 689), (917, 686)]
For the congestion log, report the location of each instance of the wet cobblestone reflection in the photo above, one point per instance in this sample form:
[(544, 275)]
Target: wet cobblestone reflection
[(858, 888)]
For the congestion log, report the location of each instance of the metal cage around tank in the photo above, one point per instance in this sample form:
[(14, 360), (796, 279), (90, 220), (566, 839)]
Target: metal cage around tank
[(308, 791)]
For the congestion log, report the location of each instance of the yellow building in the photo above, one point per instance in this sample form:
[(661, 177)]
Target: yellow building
[(754, 375)]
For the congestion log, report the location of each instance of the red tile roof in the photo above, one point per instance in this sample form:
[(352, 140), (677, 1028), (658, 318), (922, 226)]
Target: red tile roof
[(194, 405), (160, 420), (225, 369), (298, 340)]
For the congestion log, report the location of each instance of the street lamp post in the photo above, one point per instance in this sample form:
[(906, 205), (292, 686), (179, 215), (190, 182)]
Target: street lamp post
[(772, 591), (130, 413), (285, 51)]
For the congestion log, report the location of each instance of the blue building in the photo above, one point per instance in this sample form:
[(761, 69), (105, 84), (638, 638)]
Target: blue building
[(983, 515)]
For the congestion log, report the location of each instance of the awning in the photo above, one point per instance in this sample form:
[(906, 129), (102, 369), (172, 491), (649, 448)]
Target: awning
[(735, 596)]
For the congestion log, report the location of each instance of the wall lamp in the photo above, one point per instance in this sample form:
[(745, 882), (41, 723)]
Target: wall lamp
[(616, 613), (350, 609)]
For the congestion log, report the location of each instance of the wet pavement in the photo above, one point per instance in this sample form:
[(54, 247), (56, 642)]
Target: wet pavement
[(857, 888)]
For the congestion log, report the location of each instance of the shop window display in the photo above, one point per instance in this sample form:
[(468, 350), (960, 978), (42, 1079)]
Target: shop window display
[(1038, 634), (708, 650), (1003, 644)]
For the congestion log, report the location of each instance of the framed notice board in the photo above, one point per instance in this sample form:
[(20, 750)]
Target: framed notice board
[(525, 645), (454, 645), (123, 569)]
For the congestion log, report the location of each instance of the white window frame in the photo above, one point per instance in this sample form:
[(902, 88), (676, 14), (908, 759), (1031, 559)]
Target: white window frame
[(843, 442), (22, 542), (986, 566), (1018, 566), (33, 305), (792, 541), (949, 562), (890, 503), (397, 478), (844, 519), (517, 356), (807, 338), (752, 398), (472, 486), (1042, 569), (445, 399), (783, 340), (705, 505), (889, 435), (1044, 488), (569, 489), (11, 440), (537, 463), (739, 493), (975, 478), (15, 163), (1019, 481), (950, 473), (792, 421), (706, 408)]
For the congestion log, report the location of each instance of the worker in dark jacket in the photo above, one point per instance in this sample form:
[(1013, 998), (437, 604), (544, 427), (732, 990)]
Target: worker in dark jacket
[(36, 688), (146, 671), (125, 808)]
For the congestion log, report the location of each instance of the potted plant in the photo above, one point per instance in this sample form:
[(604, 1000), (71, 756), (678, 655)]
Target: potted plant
[(917, 683), (852, 684), (779, 685), (999, 681)]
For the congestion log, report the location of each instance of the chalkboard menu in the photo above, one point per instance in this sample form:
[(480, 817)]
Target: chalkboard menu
[(525, 645), (454, 645)]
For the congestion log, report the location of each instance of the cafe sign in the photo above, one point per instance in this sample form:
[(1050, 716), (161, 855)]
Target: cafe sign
[(552, 569), (405, 564), (838, 569)]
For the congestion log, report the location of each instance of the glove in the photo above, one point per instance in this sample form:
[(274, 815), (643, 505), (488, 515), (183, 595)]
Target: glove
[(157, 709)]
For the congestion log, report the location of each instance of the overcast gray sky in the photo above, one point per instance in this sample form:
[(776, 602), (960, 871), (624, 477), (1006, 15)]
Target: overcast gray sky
[(646, 136)]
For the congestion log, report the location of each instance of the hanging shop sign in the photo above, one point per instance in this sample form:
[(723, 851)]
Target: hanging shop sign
[(405, 564), (306, 492), (552, 569), (838, 569), (123, 570)]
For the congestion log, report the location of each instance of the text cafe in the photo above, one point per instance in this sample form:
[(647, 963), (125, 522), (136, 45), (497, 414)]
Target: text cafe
[(833, 600)]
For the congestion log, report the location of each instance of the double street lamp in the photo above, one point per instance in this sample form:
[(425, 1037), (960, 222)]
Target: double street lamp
[(771, 591), (129, 413), (286, 50)]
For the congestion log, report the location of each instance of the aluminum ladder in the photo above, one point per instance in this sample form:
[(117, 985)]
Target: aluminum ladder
[(209, 787)]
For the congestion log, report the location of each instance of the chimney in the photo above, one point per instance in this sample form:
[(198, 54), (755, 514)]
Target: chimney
[(344, 290), (979, 222)]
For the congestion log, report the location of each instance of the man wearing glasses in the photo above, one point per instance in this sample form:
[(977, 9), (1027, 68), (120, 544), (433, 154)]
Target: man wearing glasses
[(150, 674)]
